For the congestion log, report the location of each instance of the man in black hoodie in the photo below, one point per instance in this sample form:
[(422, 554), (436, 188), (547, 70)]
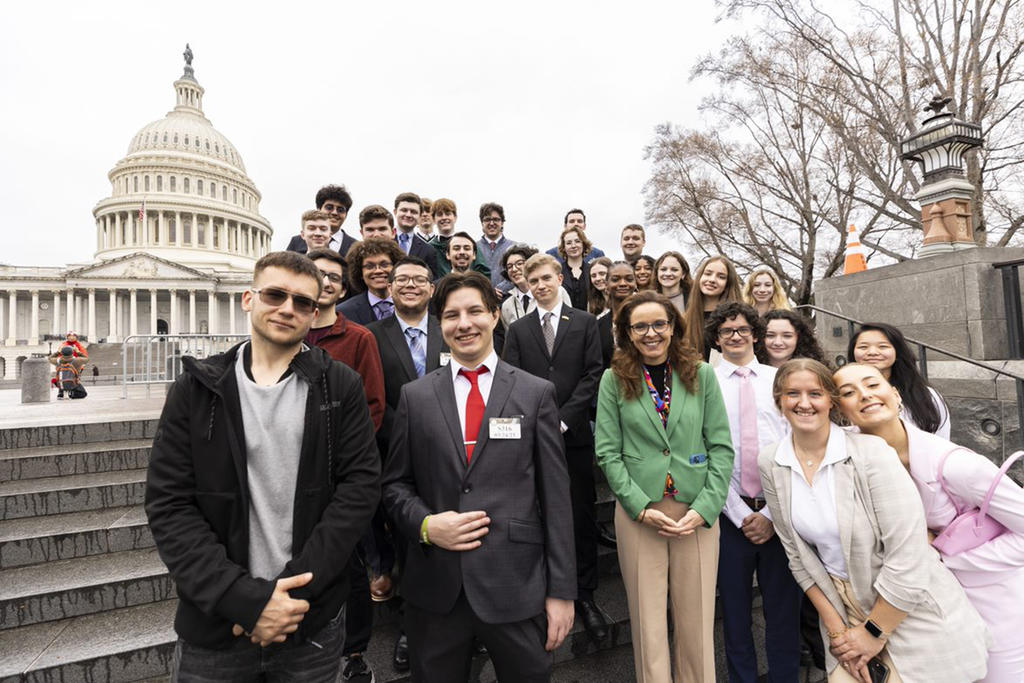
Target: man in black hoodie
[(263, 476)]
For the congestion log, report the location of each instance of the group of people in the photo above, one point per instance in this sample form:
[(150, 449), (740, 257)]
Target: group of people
[(419, 414)]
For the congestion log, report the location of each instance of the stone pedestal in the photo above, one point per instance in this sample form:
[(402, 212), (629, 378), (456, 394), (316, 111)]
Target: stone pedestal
[(35, 380), (952, 300)]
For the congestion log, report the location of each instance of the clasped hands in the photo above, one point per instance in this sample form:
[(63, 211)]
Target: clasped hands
[(281, 615), (668, 527), (854, 648)]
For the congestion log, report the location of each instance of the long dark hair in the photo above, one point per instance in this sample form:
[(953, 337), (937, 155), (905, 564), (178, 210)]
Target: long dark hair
[(903, 375), (694, 313), (626, 362), (807, 345), (597, 300)]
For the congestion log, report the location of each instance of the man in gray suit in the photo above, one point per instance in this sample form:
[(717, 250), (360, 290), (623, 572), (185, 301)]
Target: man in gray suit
[(476, 474)]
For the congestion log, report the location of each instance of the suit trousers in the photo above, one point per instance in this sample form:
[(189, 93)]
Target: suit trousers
[(580, 461), (685, 570), (738, 561), (441, 645), (854, 617)]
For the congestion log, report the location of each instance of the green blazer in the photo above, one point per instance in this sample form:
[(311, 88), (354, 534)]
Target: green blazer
[(636, 451)]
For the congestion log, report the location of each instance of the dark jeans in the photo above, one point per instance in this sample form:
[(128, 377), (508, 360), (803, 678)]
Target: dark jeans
[(314, 661), (738, 560)]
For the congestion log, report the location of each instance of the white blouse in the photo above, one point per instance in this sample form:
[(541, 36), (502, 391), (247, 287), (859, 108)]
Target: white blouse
[(815, 517)]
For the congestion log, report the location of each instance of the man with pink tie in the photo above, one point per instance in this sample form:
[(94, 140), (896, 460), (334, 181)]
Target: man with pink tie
[(748, 543)]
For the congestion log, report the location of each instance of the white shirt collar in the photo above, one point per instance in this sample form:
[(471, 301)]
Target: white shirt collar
[(491, 362), (727, 369), (374, 299), (557, 310), (835, 450)]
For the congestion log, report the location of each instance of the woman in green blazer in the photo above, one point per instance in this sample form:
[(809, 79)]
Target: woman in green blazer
[(663, 442)]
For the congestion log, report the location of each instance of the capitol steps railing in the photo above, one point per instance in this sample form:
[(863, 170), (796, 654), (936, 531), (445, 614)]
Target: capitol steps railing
[(148, 359), (924, 347)]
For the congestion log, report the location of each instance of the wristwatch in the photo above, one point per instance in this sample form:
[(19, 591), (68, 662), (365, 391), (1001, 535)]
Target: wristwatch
[(876, 632)]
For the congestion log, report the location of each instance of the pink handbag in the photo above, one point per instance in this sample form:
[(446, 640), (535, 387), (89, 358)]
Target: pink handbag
[(970, 528)]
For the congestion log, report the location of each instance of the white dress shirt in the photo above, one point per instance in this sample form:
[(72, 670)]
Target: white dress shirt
[(335, 243), (463, 385), (557, 310), (815, 516), (771, 427)]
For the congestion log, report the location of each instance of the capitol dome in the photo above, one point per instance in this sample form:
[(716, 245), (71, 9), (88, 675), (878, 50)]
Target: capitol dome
[(182, 193)]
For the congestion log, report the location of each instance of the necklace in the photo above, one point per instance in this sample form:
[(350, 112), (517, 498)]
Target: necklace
[(807, 461)]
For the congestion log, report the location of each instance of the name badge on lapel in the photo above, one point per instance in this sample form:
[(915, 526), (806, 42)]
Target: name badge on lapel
[(505, 428), (444, 358)]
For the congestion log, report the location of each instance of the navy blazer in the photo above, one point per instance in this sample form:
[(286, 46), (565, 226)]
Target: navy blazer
[(422, 250), (357, 309), (298, 245)]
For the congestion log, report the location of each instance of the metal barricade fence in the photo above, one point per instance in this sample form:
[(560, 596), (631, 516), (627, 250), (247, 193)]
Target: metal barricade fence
[(156, 358)]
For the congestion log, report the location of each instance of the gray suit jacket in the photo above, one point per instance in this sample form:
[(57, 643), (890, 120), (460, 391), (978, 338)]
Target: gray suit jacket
[(885, 544), (522, 484)]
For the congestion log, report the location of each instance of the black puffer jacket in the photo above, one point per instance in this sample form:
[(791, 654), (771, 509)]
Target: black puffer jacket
[(197, 497)]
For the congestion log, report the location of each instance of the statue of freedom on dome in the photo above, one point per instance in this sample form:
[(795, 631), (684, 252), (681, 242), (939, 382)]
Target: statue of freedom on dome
[(188, 55)]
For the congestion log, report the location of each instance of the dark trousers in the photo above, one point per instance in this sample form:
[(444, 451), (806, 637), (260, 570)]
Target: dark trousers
[(315, 660), (441, 646), (580, 461), (359, 607), (738, 560)]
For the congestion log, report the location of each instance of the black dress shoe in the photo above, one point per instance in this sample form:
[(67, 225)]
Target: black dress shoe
[(401, 658), (593, 620), (606, 536), (479, 649)]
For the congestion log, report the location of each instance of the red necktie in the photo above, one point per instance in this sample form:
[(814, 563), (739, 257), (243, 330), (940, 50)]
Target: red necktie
[(474, 409)]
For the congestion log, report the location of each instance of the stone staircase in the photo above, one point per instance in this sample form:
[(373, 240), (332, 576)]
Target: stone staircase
[(85, 597), (83, 594)]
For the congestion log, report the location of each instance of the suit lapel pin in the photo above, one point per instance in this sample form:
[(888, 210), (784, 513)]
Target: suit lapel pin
[(565, 317)]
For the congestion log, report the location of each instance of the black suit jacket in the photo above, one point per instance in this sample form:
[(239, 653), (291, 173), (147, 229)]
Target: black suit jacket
[(298, 245), (523, 485), (357, 309), (604, 329), (396, 360), (574, 366), (421, 249)]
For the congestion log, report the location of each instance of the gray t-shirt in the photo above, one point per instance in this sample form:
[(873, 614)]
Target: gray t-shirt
[(273, 419)]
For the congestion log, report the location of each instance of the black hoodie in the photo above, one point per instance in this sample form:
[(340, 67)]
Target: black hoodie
[(197, 497)]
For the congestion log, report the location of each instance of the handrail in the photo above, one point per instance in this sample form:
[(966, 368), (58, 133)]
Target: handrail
[(922, 345)]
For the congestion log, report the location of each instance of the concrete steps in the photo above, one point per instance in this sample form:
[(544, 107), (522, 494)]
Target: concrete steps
[(71, 493), (63, 460)]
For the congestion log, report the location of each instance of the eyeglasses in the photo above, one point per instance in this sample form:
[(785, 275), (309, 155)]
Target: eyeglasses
[(272, 296), (418, 280), (491, 219), (658, 326), (334, 278), (514, 265), (727, 332), (386, 266), (333, 208)]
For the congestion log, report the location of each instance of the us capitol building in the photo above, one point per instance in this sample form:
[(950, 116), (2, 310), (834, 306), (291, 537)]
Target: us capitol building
[(176, 242)]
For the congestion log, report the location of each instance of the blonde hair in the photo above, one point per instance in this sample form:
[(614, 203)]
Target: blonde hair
[(819, 370), (542, 259), (779, 300)]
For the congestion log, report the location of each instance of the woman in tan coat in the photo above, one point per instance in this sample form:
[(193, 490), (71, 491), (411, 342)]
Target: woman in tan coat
[(853, 527)]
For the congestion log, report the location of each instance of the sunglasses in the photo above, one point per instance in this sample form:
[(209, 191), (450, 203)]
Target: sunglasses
[(272, 296)]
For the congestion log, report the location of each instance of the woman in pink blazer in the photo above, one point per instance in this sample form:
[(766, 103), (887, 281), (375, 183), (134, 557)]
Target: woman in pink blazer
[(992, 574)]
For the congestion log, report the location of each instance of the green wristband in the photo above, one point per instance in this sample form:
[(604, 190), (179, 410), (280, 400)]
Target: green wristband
[(424, 535)]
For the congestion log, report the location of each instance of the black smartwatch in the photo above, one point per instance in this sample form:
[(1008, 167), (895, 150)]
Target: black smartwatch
[(872, 628)]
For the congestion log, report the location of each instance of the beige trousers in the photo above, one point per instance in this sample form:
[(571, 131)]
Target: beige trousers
[(685, 570), (854, 617)]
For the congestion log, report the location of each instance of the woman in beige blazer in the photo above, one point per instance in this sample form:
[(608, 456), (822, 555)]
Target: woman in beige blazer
[(853, 527)]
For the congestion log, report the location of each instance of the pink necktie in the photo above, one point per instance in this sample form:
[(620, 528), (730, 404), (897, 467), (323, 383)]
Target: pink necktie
[(750, 479)]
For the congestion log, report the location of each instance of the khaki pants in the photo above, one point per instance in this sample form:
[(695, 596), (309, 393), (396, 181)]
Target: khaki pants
[(684, 570), (854, 617)]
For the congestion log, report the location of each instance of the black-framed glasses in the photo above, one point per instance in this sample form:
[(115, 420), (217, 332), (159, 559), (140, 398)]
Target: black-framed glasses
[(514, 265), (418, 280), (370, 267), (728, 332), (658, 326), (333, 278), (272, 296), (333, 208)]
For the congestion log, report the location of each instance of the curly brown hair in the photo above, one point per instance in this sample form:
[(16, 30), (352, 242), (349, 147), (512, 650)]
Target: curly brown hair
[(682, 357), (360, 250)]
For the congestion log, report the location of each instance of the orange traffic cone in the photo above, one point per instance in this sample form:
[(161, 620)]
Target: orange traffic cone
[(855, 261)]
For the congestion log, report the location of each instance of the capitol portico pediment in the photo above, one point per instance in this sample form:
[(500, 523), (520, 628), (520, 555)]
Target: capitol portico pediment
[(138, 266)]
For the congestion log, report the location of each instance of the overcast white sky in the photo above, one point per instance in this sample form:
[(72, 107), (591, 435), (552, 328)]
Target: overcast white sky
[(539, 106)]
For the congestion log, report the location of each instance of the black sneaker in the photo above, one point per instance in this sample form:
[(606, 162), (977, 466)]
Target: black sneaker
[(357, 670)]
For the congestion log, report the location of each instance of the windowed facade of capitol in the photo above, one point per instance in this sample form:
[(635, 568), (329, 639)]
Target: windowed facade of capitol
[(176, 242)]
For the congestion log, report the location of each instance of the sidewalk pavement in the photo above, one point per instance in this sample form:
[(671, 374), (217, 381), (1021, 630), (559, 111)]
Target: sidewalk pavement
[(103, 404)]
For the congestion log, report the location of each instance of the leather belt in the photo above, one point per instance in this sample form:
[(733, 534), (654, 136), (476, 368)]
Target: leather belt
[(754, 504)]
